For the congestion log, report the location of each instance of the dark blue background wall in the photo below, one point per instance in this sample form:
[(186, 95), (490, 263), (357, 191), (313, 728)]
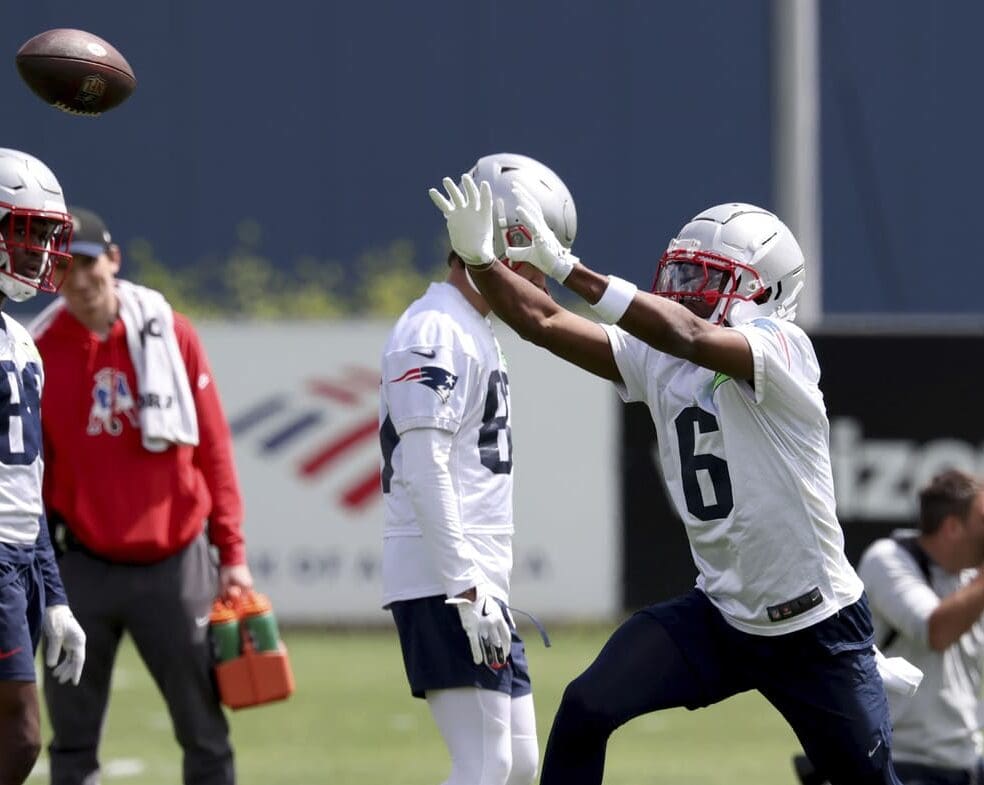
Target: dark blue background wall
[(326, 123), (903, 128)]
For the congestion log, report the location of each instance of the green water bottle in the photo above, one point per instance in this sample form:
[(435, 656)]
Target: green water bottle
[(224, 628), (261, 625)]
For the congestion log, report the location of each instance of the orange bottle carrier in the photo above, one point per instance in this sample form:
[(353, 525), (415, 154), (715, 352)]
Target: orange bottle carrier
[(261, 672)]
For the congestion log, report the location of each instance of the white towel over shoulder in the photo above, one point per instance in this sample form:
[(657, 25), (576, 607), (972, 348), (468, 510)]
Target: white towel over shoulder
[(167, 407)]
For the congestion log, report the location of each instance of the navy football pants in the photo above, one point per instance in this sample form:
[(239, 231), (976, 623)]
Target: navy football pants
[(682, 653)]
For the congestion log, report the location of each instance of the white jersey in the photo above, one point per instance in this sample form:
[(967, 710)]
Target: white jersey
[(442, 368), (747, 467), (21, 465), (940, 724)]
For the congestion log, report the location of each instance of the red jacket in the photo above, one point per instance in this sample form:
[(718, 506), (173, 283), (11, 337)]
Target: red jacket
[(121, 501)]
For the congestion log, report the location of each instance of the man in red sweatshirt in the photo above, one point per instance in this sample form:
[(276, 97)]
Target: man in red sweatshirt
[(139, 483)]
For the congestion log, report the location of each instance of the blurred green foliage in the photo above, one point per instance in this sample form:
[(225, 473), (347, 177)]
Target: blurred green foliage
[(247, 284)]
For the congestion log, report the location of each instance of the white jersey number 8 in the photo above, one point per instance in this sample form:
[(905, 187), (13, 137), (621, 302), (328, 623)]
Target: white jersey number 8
[(495, 435), (20, 430)]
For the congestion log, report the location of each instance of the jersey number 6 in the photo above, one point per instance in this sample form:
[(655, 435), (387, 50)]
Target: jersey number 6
[(692, 462)]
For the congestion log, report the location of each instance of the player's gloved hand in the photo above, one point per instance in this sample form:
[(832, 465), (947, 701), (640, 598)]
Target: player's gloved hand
[(546, 252), (469, 217), (63, 633), (486, 626)]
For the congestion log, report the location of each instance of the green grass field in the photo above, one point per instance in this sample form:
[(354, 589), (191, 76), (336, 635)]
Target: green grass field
[(352, 722)]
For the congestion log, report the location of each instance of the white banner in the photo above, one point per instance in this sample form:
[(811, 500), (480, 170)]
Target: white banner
[(302, 401)]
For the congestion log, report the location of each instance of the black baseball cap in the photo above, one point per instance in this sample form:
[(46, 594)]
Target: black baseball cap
[(90, 237)]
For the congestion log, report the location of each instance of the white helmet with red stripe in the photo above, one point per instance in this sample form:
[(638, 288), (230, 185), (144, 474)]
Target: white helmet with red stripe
[(733, 263)]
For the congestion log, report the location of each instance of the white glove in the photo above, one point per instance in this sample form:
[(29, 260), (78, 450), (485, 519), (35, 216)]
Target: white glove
[(469, 217), (63, 632), (546, 253), (486, 627)]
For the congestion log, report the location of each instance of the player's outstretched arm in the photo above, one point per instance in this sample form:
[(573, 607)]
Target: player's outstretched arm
[(663, 324), (524, 307), (533, 314)]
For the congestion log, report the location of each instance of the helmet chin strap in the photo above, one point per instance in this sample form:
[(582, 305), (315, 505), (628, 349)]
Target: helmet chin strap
[(788, 306)]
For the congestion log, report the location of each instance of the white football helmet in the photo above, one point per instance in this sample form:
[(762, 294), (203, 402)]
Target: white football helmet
[(501, 170), (733, 263), (33, 221)]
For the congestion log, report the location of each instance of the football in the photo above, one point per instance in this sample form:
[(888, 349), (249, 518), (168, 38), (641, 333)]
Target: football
[(75, 71)]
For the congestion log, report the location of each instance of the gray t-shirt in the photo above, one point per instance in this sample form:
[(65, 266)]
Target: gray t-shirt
[(940, 724)]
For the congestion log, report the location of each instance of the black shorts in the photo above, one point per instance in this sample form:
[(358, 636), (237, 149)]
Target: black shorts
[(437, 656)]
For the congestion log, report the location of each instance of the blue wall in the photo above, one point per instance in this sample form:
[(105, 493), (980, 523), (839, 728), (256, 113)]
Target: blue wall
[(326, 123), (903, 127)]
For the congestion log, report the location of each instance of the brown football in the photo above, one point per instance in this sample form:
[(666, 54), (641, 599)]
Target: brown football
[(75, 71)]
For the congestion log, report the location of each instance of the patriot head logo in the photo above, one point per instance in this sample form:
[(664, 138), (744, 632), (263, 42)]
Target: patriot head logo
[(439, 380), (111, 397)]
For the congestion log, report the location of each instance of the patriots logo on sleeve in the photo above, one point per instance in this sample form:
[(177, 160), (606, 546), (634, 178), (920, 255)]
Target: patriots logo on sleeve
[(770, 326), (442, 382), (767, 324)]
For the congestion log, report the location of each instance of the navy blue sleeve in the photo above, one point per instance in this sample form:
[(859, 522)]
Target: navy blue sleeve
[(54, 591)]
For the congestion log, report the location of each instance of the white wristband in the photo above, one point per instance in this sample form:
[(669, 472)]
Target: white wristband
[(615, 301)]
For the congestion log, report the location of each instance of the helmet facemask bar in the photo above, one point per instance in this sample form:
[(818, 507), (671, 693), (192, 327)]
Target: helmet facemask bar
[(37, 233), (706, 283)]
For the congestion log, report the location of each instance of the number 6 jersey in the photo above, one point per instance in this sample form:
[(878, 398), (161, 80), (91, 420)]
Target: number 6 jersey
[(747, 467), (20, 435), (442, 368)]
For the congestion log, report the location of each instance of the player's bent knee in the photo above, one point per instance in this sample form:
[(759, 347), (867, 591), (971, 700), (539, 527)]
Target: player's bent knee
[(17, 758), (498, 766), (20, 734), (481, 760), (525, 765), (583, 702), (490, 769)]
